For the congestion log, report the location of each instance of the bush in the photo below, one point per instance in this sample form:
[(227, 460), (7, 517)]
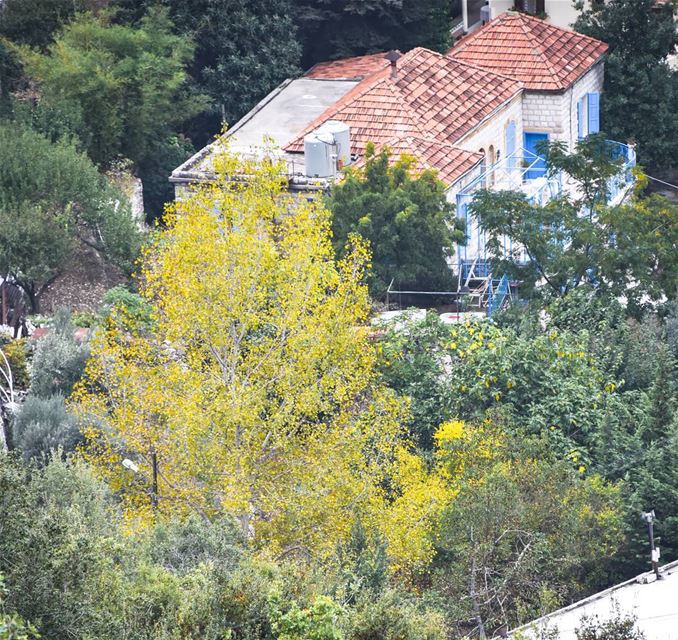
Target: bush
[(44, 425), (619, 627), (392, 617), (59, 359), (120, 300), (15, 352), (84, 319)]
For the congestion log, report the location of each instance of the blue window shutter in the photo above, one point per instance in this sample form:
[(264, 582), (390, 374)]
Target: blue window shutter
[(511, 143), (580, 118), (593, 112)]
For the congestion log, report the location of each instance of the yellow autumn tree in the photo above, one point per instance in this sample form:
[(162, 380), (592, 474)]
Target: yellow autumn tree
[(254, 390)]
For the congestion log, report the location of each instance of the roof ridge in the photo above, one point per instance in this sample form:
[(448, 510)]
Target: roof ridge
[(405, 106), (483, 69), (537, 43), (545, 57), (356, 93), (532, 18)]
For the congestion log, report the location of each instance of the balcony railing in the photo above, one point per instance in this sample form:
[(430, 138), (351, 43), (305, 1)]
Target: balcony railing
[(526, 172)]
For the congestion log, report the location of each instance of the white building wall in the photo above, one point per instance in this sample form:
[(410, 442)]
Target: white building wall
[(492, 132), (589, 83), (561, 13), (554, 113)]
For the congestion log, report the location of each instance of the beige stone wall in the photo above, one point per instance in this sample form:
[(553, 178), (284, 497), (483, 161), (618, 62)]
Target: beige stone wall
[(556, 113)]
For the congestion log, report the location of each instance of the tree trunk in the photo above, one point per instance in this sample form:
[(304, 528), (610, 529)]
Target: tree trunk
[(474, 597)]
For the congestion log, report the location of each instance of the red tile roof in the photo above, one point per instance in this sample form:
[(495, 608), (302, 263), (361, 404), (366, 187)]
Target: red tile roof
[(542, 56), (432, 96), (349, 68), (449, 161)]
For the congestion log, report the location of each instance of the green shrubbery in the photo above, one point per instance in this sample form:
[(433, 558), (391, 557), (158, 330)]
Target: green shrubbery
[(59, 359), (44, 425)]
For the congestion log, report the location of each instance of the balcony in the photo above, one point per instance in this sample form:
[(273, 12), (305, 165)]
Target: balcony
[(526, 172)]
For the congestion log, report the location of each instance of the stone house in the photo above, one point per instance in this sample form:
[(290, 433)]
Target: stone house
[(475, 114)]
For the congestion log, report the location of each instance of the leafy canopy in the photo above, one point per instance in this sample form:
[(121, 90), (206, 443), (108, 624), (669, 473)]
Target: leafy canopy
[(640, 98), (51, 198), (523, 522), (406, 218), (243, 51), (628, 249), (127, 87), (255, 392), (347, 28)]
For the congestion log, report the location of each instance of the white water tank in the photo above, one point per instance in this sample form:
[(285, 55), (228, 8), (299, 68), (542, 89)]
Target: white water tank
[(320, 156), (327, 150), (342, 138)]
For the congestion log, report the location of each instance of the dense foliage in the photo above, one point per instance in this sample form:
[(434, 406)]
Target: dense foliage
[(237, 453), (630, 249), (276, 403), (344, 28), (53, 199), (640, 98), (404, 216), (126, 87)]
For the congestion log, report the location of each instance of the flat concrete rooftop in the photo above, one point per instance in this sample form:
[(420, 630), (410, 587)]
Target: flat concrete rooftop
[(282, 115)]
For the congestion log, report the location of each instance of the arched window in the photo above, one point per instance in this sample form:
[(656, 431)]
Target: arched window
[(491, 159)]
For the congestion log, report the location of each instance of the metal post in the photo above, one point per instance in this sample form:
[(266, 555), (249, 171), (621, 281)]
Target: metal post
[(649, 517)]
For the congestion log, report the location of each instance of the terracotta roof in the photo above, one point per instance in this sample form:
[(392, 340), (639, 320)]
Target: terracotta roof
[(449, 161), (542, 56), (432, 96), (349, 68)]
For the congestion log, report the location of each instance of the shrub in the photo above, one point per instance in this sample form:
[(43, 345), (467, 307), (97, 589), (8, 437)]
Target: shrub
[(120, 300), (44, 425), (15, 352), (59, 359), (392, 616), (84, 319)]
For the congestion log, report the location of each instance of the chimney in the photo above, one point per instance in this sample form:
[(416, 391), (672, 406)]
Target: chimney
[(393, 56)]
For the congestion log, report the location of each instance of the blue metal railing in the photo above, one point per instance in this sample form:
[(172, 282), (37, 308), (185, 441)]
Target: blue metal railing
[(496, 298), (620, 183)]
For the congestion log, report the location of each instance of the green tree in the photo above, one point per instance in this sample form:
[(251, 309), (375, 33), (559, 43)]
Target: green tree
[(406, 218), (34, 22), (330, 29), (413, 364), (526, 531), (640, 98), (628, 250), (128, 86), (244, 50), (155, 168), (12, 626), (51, 198)]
